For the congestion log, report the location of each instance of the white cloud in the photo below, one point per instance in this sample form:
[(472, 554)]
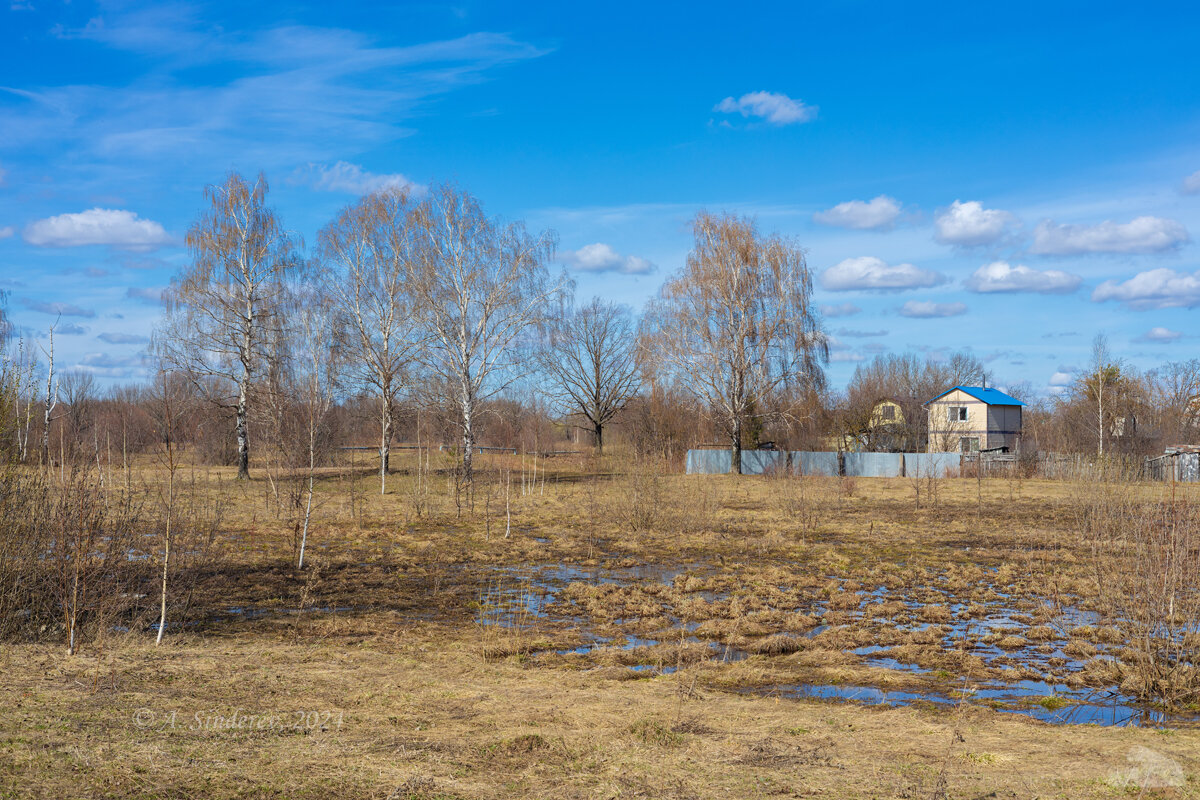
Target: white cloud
[(839, 310), (1061, 379), (352, 179), (1000, 276), (123, 338), (969, 224), (1159, 335), (1191, 184), (99, 226), (58, 309), (600, 257), (841, 352), (298, 93), (6, 231), (925, 309), (152, 295), (70, 329), (1142, 235), (109, 366), (879, 212), (874, 274), (1156, 288), (776, 108), (855, 334)]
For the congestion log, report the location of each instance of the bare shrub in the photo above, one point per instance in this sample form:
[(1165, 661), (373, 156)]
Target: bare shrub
[(640, 496), (1146, 570), (71, 562)]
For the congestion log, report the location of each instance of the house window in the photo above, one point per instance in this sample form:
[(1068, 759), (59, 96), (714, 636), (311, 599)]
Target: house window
[(888, 412), (957, 414), (969, 444)]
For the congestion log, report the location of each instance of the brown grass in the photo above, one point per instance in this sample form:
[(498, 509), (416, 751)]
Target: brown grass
[(432, 702)]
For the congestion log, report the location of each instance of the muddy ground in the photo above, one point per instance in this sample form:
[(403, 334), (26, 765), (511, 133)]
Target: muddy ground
[(634, 635)]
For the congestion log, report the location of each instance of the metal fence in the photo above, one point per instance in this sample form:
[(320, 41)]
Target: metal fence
[(1183, 466), (1173, 467), (808, 462)]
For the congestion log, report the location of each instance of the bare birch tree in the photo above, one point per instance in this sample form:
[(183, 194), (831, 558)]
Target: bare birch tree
[(368, 254), (591, 361), (316, 364), (738, 322), (51, 399), (168, 403), (1105, 390), (482, 286), (220, 308)]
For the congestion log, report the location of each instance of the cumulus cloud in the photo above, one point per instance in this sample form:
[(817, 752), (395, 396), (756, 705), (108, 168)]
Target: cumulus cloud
[(58, 309), (969, 224), (1191, 184), (351, 179), (1000, 276), (70, 329), (123, 230), (123, 338), (602, 258), (109, 366), (1061, 378), (874, 274), (839, 310), (926, 309), (773, 107), (1141, 235), (1156, 288), (842, 352), (878, 213), (1159, 335), (852, 333), (152, 294), (6, 231)]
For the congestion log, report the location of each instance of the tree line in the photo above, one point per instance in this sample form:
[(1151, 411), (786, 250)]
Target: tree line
[(446, 326)]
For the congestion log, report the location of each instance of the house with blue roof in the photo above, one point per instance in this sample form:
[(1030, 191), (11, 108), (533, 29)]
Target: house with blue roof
[(968, 419)]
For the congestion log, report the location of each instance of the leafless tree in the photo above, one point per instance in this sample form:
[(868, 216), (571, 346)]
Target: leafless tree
[(168, 403), (1107, 392), (910, 381), (51, 399), (591, 361), (78, 391), (1174, 390), (222, 306), (482, 286), (22, 375), (738, 322), (368, 253), (316, 364)]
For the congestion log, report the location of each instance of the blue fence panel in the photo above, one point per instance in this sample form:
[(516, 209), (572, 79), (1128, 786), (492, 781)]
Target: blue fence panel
[(807, 462), (763, 462), (708, 462), (874, 465), (717, 462), (925, 465)]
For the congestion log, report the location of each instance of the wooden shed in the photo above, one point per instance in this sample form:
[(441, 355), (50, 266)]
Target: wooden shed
[(973, 418)]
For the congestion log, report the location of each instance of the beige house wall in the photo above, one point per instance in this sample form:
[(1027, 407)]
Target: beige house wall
[(993, 426)]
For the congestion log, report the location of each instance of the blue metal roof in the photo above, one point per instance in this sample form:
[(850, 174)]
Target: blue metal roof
[(993, 397)]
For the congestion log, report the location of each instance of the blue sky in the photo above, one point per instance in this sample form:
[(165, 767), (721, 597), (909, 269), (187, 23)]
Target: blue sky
[(1010, 180)]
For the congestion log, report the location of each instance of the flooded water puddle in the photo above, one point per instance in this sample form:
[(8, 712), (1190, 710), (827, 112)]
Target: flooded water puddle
[(1025, 659), (1094, 709)]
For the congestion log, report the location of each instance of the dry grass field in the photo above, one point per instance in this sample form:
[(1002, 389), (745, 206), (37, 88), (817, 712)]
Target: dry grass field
[(634, 635)]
